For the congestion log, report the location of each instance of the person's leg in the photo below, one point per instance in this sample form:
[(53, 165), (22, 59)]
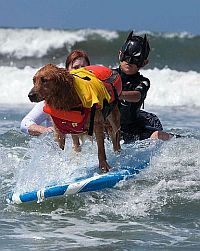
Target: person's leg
[(161, 135), (150, 120)]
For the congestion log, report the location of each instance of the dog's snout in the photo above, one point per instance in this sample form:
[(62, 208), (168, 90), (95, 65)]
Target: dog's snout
[(33, 96)]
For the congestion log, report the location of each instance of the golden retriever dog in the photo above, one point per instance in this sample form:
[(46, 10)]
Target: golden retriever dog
[(56, 86)]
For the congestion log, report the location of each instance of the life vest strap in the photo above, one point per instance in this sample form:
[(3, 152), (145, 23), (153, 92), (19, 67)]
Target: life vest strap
[(92, 114)]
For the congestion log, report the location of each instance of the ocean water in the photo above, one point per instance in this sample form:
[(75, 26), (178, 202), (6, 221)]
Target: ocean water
[(159, 210)]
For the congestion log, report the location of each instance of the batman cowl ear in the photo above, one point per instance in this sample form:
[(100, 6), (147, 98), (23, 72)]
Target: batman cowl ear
[(146, 47), (129, 36), (145, 40)]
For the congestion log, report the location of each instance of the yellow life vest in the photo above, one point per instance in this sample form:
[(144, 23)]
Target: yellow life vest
[(89, 88)]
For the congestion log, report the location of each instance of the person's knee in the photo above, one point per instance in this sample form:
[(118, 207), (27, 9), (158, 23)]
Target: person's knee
[(154, 135), (161, 135)]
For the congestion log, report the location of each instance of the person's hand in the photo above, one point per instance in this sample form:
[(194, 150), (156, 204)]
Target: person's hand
[(121, 97), (49, 129), (36, 130)]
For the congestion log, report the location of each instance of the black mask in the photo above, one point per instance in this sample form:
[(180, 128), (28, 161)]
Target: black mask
[(135, 50)]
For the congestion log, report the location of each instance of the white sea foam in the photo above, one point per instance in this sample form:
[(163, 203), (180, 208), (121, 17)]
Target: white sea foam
[(36, 42), (183, 34), (168, 87), (173, 88), (15, 84)]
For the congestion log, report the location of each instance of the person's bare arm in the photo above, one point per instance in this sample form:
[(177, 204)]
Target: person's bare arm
[(130, 96)]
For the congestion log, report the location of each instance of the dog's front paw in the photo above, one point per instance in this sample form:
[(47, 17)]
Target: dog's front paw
[(104, 167), (76, 148)]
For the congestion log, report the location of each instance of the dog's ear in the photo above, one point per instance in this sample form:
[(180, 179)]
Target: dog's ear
[(64, 95), (71, 94)]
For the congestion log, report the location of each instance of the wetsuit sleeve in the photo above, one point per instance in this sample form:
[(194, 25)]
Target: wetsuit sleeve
[(143, 87), (35, 116)]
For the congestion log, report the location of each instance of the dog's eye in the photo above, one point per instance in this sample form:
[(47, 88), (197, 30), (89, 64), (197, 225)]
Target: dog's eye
[(43, 80)]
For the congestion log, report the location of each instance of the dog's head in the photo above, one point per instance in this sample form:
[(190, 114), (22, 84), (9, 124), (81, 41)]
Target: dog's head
[(55, 86)]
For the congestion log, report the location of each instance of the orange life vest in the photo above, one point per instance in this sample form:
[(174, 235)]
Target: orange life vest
[(74, 121), (110, 78), (68, 122)]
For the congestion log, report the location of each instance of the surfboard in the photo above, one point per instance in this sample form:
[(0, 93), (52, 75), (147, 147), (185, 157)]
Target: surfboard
[(86, 184), (94, 183)]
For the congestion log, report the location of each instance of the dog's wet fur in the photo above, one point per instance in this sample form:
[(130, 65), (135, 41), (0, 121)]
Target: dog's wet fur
[(55, 86)]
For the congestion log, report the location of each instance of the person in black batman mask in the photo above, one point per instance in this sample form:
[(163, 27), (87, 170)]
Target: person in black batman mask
[(136, 124)]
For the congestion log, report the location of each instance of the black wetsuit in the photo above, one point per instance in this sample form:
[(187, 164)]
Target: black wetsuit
[(135, 123)]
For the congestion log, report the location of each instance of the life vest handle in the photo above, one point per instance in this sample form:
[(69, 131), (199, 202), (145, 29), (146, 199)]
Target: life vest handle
[(92, 114), (84, 78), (110, 80)]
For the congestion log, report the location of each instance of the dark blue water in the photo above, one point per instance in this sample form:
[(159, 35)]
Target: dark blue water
[(157, 210)]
